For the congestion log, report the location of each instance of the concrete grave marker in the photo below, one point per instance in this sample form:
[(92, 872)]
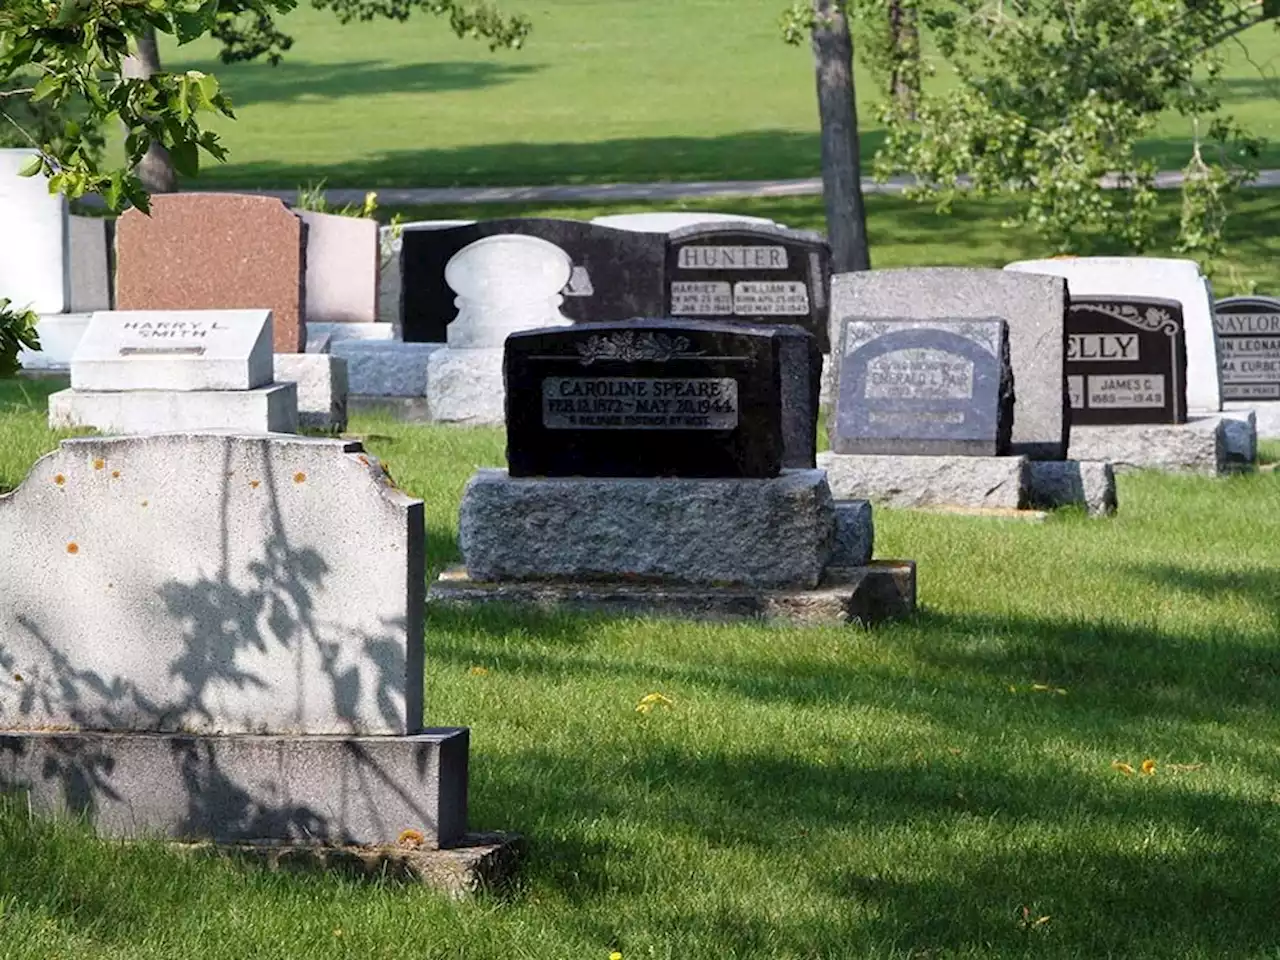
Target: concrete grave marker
[(1033, 306), (755, 273), (924, 388), (34, 244), (174, 350), (1126, 361), (215, 251), (506, 284)]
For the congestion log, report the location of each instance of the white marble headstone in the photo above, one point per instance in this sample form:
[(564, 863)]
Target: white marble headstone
[(174, 350), (342, 268), (1171, 279), (665, 222), (506, 283), (33, 239)]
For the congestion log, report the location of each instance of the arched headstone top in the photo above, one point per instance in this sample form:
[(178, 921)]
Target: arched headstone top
[(506, 283)]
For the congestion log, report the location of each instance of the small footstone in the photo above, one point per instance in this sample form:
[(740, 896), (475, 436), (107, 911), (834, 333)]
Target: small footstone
[(928, 481), (1088, 483)]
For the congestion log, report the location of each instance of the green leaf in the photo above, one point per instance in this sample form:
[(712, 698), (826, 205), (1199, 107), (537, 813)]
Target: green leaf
[(47, 84), (188, 26), (32, 166), (186, 158)]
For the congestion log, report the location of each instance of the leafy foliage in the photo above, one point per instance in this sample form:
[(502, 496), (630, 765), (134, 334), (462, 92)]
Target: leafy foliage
[(1052, 100), (17, 330)]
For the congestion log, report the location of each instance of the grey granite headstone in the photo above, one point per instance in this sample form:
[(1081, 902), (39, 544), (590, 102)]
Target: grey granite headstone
[(924, 388), (1034, 306), (92, 243)]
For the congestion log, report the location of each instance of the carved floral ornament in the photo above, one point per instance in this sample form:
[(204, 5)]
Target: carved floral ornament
[(629, 345), (1155, 319)]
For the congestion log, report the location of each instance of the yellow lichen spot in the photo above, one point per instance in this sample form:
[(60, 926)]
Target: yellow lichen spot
[(1122, 767), (254, 483), (99, 464), (115, 474), (363, 459), (1148, 767), (299, 477), (411, 838), (145, 502), (73, 547), (59, 479)]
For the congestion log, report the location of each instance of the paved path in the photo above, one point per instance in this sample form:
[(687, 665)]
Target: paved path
[(609, 192)]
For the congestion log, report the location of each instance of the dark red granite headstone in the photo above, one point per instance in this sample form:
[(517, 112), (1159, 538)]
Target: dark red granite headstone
[(215, 251)]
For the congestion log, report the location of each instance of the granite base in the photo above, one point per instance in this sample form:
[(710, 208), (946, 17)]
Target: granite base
[(1212, 445), (270, 409), (248, 789), (1266, 414), (466, 387), (385, 368), (975, 484), (774, 533), (882, 590), (322, 388)]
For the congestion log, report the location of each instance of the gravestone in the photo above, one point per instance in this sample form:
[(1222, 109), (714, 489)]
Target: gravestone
[(215, 251), (1249, 334), (649, 398), (1126, 361), (755, 273), (1034, 307), (34, 244), (924, 388), (91, 242), (390, 277), (174, 350), (504, 284), (615, 274), (241, 656), (1147, 277), (150, 372), (342, 268)]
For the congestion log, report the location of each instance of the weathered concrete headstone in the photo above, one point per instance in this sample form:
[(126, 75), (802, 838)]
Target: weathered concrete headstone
[(34, 244), (1126, 361), (215, 251), (174, 350), (1164, 279), (1249, 334), (241, 657), (755, 273), (342, 268), (1033, 306), (649, 398), (614, 274), (924, 388)]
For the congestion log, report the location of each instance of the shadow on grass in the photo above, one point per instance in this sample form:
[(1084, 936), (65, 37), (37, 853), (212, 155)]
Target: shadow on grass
[(295, 80)]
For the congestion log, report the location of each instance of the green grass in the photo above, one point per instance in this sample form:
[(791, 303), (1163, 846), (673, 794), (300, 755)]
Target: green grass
[(903, 233), (604, 91), (821, 793)]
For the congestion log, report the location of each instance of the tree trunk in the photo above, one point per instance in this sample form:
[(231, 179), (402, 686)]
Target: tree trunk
[(904, 41), (841, 165), (156, 169)]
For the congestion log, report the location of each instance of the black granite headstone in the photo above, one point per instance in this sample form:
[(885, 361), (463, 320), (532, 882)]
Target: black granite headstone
[(645, 398), (1249, 337), (616, 273), (750, 273), (1126, 361), (924, 388)]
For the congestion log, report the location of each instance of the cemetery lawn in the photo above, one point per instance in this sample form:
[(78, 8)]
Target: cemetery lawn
[(969, 783), (604, 91)]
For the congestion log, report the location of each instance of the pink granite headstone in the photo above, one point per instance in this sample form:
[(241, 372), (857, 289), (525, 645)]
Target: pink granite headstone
[(342, 268), (216, 251)]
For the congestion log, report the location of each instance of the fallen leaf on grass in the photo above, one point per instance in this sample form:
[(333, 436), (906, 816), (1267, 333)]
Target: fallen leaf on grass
[(1122, 767), (651, 700)]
